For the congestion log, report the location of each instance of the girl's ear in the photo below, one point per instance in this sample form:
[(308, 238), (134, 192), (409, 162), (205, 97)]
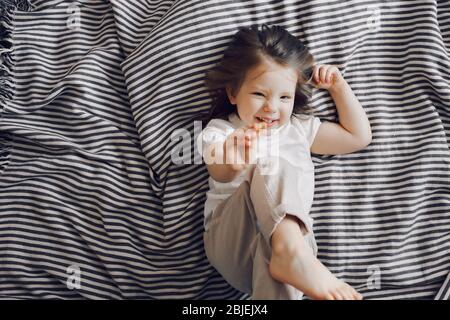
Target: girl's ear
[(230, 95)]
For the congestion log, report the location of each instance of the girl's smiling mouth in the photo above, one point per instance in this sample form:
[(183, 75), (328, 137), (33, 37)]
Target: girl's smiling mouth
[(270, 122)]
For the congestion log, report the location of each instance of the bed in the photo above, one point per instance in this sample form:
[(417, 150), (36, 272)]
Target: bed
[(94, 96)]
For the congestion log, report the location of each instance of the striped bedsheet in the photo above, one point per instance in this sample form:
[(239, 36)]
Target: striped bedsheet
[(95, 94)]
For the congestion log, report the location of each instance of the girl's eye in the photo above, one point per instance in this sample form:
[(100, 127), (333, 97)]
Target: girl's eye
[(285, 98), (259, 94)]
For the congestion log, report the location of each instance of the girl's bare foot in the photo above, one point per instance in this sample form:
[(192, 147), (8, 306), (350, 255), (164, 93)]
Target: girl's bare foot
[(296, 265)]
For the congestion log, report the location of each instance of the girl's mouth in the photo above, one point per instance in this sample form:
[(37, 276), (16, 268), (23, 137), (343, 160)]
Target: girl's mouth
[(270, 122)]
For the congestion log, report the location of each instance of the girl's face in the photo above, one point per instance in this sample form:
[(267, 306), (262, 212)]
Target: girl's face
[(266, 95)]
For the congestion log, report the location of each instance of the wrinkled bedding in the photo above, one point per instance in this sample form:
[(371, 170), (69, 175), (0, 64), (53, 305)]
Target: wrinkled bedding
[(94, 95)]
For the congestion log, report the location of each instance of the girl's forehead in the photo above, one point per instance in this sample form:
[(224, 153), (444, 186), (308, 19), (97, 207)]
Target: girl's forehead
[(268, 70)]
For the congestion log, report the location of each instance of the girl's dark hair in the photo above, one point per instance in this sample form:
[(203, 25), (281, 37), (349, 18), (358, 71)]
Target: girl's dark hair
[(248, 47)]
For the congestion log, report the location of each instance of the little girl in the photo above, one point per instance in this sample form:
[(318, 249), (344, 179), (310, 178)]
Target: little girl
[(258, 232)]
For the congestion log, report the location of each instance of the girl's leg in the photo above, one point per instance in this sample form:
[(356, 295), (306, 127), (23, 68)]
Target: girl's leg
[(265, 286), (236, 248), (287, 229), (293, 262), (230, 239)]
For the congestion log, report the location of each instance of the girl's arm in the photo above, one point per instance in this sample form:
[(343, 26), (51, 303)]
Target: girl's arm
[(353, 131), (222, 172)]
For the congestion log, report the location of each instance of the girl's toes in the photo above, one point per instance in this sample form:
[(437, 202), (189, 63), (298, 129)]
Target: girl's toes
[(356, 295), (347, 295), (329, 296), (337, 295)]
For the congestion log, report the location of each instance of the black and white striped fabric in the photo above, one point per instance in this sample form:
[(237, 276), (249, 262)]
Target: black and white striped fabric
[(95, 95)]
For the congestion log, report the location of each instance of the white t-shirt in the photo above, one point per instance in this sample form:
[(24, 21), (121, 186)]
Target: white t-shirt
[(294, 141)]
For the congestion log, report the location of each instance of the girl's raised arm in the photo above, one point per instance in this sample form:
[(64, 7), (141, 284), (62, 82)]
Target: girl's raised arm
[(353, 131)]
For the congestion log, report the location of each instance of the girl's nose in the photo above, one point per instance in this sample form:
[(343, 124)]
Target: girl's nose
[(269, 107)]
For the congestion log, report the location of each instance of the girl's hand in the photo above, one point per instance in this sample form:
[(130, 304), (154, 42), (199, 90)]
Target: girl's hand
[(326, 77), (240, 147)]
